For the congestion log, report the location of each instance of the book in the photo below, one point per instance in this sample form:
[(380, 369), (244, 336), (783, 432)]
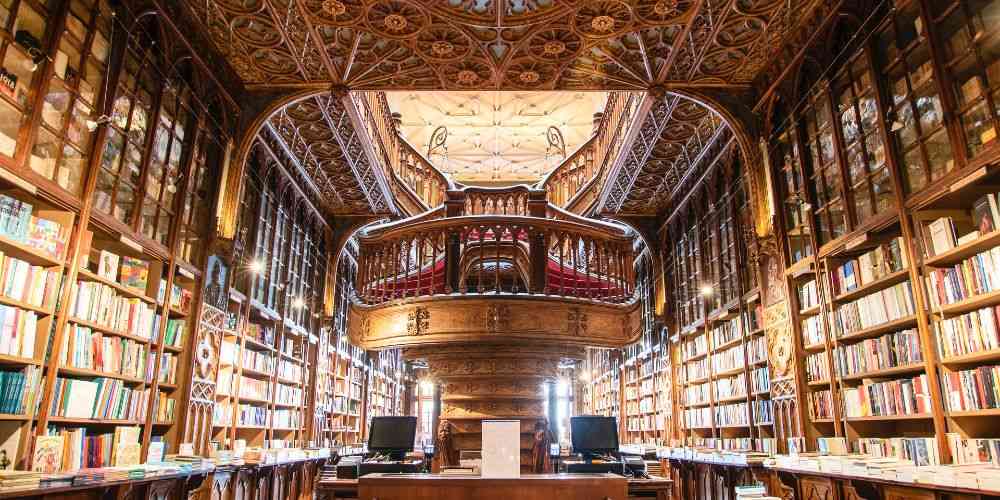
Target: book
[(107, 265), (156, 451), (942, 235), (134, 273), (48, 454), (982, 216)]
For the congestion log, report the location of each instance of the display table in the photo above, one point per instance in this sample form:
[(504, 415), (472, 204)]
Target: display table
[(656, 487), (527, 487), (816, 484)]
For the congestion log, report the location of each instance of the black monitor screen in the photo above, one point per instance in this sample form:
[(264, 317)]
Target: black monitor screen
[(392, 434), (594, 434)]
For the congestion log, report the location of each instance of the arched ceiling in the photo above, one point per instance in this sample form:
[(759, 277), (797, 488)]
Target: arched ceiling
[(498, 44), (677, 141)]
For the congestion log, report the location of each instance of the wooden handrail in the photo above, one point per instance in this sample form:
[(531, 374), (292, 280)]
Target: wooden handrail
[(585, 169)]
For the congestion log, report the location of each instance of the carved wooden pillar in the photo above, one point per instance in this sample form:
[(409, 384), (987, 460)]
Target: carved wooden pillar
[(538, 255), (452, 261), (492, 381)]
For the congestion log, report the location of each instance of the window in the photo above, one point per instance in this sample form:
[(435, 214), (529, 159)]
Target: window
[(63, 144), (261, 256), (121, 161), (903, 55), (967, 29), (794, 199), (867, 170), (165, 163), (197, 206), (830, 215), (21, 50)]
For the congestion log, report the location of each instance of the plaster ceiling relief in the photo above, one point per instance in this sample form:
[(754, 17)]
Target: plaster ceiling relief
[(498, 44), (496, 138)]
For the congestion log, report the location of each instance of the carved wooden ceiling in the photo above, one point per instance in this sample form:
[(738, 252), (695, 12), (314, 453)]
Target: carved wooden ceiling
[(318, 134), (677, 140), (498, 44)]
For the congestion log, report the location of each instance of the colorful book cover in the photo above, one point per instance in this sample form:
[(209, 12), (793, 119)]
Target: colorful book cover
[(48, 454), (135, 273), (107, 265), (982, 216)]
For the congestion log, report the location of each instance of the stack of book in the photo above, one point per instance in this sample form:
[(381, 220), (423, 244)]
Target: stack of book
[(880, 307), (974, 389), (87, 349), (23, 282), (99, 303), (888, 398), (19, 479), (17, 390), (100, 398), (18, 330), (871, 266), (976, 275), (969, 333), (17, 223), (888, 351)]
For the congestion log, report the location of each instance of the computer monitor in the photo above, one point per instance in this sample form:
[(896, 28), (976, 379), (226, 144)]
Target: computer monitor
[(393, 435), (594, 435)]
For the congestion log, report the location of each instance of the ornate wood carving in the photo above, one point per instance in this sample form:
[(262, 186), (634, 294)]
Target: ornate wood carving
[(510, 44), (817, 489), (470, 318)]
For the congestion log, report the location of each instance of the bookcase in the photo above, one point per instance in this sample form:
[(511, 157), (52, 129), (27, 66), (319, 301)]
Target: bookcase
[(887, 185), (647, 394)]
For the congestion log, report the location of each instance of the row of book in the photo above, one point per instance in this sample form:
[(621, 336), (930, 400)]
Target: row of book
[(288, 395), (18, 224), (165, 407), (127, 271), (255, 389), (885, 259), (694, 347), (287, 419), (760, 380), (974, 389), (256, 416), (973, 450), (757, 349), (289, 370), (946, 233), (101, 398), (725, 332), (697, 369), (168, 369), (729, 359), (73, 449), (262, 334), (696, 394), (91, 350), (905, 396), (883, 306), (976, 275), (100, 304), (888, 351), (968, 333), (258, 361), (816, 367), (17, 390), (695, 418), (921, 451), (812, 331), (820, 404), (18, 331), (23, 282), (174, 335), (808, 294), (763, 413), (731, 415), (730, 387)]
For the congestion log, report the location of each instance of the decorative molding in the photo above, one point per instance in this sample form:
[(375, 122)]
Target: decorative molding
[(417, 321)]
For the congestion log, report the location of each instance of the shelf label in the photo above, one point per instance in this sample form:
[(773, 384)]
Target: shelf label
[(968, 179), (129, 242), (857, 241), (185, 272), (18, 181)]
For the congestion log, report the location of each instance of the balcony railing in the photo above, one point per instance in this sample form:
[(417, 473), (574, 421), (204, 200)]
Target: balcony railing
[(413, 174), (585, 170), (495, 254)]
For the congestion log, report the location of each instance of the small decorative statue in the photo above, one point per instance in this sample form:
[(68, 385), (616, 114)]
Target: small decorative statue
[(4, 461), (445, 454), (541, 461)]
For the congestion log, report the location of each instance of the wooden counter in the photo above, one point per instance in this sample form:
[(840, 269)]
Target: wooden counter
[(527, 487)]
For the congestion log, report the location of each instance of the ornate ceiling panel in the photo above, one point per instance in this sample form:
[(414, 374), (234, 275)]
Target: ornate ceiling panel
[(677, 140), (317, 132), (497, 137), (498, 44)]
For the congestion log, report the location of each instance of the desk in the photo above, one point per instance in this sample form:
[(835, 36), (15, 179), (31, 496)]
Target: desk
[(527, 487), (656, 487)]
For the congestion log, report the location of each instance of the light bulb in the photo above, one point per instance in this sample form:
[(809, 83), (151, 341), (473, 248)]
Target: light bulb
[(706, 290), (256, 266), (298, 303)]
